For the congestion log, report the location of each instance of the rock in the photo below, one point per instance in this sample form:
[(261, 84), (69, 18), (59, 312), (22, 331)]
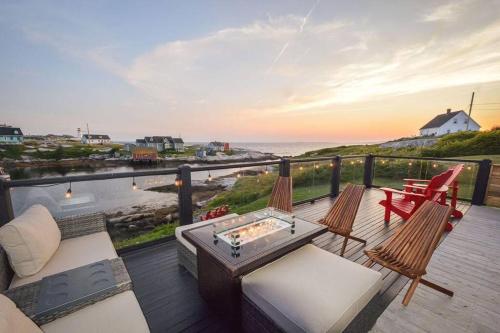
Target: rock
[(132, 227), (168, 218)]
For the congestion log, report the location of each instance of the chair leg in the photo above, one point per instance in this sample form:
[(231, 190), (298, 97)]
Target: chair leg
[(343, 246), (387, 215), (357, 239), (369, 263), (436, 287), (411, 290)]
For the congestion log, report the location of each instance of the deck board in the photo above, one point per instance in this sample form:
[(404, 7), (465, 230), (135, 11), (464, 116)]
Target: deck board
[(169, 297), (468, 263)]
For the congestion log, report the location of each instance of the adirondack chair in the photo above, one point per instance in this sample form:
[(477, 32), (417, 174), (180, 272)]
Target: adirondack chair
[(410, 248), (418, 185), (341, 215), (409, 201), (281, 196)]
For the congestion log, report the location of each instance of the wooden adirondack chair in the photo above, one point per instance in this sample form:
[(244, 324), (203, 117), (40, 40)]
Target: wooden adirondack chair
[(417, 186), (342, 214), (281, 196), (410, 248), (410, 201)]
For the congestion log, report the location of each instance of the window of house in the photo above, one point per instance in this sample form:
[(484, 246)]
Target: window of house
[(455, 121)]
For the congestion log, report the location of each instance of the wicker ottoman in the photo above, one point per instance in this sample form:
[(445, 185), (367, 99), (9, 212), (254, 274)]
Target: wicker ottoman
[(307, 290), (186, 252)]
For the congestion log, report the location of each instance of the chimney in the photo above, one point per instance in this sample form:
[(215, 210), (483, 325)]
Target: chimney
[(448, 111)]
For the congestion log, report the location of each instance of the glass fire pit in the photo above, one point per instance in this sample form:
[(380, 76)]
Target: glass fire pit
[(248, 228)]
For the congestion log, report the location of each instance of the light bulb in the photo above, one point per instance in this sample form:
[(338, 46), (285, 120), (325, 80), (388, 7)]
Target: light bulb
[(134, 186), (209, 177), (68, 193)]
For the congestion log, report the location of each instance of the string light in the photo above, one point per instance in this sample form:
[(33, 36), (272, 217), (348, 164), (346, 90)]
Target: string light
[(266, 171), (434, 165), (331, 165), (68, 192), (134, 185), (469, 168), (316, 166), (178, 181), (352, 162), (410, 163), (238, 175), (383, 162), (301, 168), (209, 177)]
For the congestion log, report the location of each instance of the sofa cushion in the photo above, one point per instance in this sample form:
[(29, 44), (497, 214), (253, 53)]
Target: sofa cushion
[(13, 320), (117, 314), (73, 253), (312, 290), (188, 245), (30, 240)]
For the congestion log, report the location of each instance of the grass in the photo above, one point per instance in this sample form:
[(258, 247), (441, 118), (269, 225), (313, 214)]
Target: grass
[(160, 231), (494, 158)]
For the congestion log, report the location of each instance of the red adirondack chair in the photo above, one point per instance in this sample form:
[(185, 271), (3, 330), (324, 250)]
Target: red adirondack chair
[(414, 196), (418, 185), (214, 213)]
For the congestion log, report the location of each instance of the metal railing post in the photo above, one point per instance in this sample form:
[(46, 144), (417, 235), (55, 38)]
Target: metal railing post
[(335, 182), (369, 167), (481, 186), (285, 168), (185, 195), (6, 210)]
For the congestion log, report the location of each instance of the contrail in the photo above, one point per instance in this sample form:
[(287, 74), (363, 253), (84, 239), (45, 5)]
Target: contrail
[(301, 28)]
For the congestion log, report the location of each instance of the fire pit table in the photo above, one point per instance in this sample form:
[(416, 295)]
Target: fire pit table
[(231, 248)]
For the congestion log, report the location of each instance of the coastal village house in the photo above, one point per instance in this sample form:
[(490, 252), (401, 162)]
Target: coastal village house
[(218, 146), (95, 139), (449, 122), (161, 143), (10, 135)]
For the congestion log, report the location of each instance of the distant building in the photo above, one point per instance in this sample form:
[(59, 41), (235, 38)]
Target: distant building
[(129, 146), (449, 122), (95, 139), (216, 146), (177, 144), (11, 135), (144, 154), (155, 142), (140, 143), (201, 153)]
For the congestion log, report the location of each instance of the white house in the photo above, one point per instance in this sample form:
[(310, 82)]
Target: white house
[(216, 146), (177, 144), (449, 122), (10, 135), (95, 139)]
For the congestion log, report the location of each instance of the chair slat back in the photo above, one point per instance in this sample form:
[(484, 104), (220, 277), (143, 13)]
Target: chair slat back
[(412, 245), (436, 182), (343, 212), (281, 196), (451, 175)]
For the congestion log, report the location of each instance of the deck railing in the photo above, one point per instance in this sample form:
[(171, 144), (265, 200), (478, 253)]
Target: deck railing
[(370, 164)]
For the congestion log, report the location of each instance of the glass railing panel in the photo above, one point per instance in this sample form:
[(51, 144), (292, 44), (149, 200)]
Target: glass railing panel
[(242, 190), (352, 171), (391, 172), (310, 179)]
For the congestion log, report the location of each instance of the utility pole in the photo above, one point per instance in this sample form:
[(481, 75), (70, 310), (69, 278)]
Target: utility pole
[(470, 110)]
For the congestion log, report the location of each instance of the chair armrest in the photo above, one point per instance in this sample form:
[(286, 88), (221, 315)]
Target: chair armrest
[(26, 296), (416, 180), (81, 225), (411, 194), (416, 186)]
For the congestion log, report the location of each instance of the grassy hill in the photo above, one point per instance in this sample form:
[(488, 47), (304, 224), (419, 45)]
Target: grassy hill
[(451, 145)]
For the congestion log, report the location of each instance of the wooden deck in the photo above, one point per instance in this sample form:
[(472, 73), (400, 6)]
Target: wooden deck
[(169, 297), (468, 263)]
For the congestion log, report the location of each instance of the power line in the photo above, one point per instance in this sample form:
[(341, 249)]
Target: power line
[(486, 103)]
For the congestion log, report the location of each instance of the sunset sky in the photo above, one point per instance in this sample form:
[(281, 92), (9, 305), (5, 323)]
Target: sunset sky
[(258, 71)]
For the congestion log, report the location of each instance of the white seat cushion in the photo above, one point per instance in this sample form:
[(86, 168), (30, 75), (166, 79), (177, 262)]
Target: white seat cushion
[(13, 320), (30, 240), (73, 253), (116, 314), (312, 290), (179, 230)]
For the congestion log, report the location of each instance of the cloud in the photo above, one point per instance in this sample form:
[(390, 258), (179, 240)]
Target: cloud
[(446, 13)]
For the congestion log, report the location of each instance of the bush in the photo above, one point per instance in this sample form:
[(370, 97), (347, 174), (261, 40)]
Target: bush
[(465, 144)]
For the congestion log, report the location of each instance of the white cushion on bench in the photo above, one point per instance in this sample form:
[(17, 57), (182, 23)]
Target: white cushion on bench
[(186, 243), (116, 314), (312, 290), (73, 253)]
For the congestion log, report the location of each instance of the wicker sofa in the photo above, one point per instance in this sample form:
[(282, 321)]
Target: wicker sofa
[(84, 241)]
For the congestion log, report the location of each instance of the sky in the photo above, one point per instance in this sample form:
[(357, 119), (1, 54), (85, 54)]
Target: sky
[(247, 71)]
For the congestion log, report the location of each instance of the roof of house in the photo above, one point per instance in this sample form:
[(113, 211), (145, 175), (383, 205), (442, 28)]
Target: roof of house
[(7, 130), (140, 141), (96, 136), (440, 119), (177, 140), (216, 143)]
